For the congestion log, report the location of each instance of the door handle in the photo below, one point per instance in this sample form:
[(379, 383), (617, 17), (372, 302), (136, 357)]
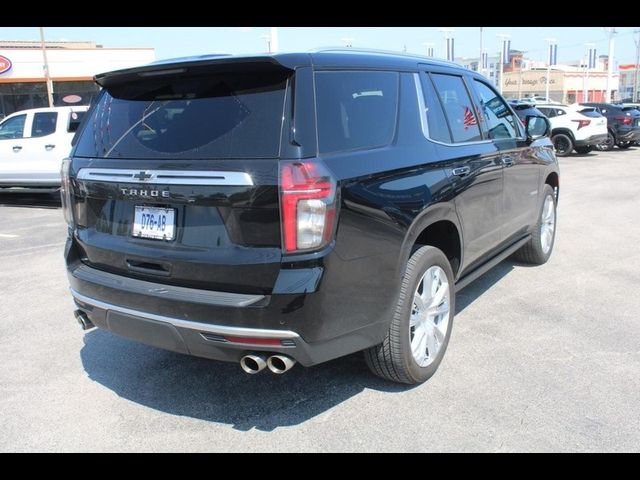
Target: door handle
[(461, 171), (507, 161), (49, 147), (17, 148)]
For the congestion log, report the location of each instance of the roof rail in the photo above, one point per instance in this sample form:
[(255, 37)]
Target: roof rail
[(373, 50)]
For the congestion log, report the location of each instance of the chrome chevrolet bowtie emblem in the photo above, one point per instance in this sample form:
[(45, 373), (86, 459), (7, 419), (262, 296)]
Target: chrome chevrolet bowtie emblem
[(142, 175)]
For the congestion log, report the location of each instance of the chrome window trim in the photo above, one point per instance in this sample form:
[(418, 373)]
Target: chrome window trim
[(192, 325), (425, 124), (166, 177)]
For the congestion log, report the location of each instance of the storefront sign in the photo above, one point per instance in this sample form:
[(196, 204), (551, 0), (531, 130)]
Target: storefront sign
[(72, 99), (5, 64), (528, 82)]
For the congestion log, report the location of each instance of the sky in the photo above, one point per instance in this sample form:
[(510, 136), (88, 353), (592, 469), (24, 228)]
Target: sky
[(171, 42)]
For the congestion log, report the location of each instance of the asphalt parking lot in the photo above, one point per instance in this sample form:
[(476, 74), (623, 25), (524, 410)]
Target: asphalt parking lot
[(541, 358)]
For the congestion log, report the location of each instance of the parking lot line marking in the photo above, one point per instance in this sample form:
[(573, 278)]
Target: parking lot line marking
[(7, 235)]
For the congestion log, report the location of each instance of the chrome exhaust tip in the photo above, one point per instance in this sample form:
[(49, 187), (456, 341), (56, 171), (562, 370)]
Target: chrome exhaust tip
[(280, 363), (253, 363), (83, 320)]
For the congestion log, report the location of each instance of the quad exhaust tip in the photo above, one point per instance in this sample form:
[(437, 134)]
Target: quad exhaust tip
[(253, 363), (279, 364), (83, 320)]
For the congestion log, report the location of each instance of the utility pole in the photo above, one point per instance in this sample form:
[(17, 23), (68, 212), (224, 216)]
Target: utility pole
[(503, 37), (610, 61), (46, 69), (551, 42), (635, 80)]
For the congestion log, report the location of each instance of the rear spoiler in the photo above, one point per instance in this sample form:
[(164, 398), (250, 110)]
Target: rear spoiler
[(200, 65)]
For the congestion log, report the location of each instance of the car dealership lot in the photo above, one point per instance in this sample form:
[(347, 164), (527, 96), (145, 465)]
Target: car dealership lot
[(541, 358)]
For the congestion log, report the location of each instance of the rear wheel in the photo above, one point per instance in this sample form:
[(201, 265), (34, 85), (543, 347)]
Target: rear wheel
[(624, 145), (563, 144), (607, 144), (421, 326), (538, 249), (584, 150)]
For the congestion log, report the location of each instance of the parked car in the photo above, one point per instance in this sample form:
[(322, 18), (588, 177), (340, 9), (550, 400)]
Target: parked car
[(637, 107), (33, 144), (525, 109), (538, 99), (571, 129), (299, 207), (623, 124)]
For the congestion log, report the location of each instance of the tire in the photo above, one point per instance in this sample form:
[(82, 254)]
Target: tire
[(624, 145), (608, 144), (538, 249), (393, 359), (563, 144), (584, 150)]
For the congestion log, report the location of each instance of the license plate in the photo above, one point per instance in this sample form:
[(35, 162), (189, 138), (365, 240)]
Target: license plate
[(153, 222)]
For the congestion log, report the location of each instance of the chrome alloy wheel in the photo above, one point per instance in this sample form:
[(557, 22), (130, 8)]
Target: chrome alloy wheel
[(429, 316), (547, 224)]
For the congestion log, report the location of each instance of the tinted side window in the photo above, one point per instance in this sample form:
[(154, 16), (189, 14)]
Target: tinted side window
[(74, 121), (355, 109), (13, 128), (436, 121), (500, 121), (549, 112), (44, 123), (458, 108)]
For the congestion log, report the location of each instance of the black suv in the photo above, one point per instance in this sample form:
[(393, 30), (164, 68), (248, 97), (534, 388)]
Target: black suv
[(623, 124), (300, 207)]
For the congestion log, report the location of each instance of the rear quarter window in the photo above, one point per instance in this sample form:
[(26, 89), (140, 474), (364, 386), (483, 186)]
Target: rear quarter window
[(355, 109)]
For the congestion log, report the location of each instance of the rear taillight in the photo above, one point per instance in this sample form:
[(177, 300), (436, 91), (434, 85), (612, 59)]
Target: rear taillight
[(582, 123), (308, 204), (65, 191), (625, 120)]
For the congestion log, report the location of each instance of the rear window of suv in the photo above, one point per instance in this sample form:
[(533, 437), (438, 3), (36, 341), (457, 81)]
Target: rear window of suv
[(235, 115)]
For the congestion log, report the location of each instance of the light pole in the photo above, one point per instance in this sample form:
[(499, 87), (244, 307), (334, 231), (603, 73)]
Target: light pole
[(447, 37), (274, 39), (480, 67), (267, 38), (611, 31), (552, 42), (503, 37), (429, 46), (635, 80), (587, 66), (46, 69)]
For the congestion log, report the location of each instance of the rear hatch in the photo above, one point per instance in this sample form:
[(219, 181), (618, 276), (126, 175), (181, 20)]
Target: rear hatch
[(175, 177)]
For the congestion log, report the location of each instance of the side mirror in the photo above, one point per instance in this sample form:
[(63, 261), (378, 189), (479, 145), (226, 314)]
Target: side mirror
[(537, 127)]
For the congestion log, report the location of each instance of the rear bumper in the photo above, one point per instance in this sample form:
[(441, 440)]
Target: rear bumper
[(311, 327), (630, 135), (592, 140)]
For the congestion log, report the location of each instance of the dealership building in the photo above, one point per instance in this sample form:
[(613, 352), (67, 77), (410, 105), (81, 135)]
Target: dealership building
[(72, 66)]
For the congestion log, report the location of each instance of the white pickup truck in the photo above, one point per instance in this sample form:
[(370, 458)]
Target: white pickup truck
[(32, 145)]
